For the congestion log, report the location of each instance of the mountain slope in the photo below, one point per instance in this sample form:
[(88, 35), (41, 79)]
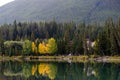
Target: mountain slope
[(104, 9), (60, 10)]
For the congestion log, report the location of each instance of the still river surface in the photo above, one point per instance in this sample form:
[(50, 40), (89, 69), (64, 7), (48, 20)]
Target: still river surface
[(59, 71)]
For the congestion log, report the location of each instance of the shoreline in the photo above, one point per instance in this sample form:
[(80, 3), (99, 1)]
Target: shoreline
[(70, 59)]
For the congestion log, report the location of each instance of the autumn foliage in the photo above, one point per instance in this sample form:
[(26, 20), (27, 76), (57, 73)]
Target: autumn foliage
[(45, 47), (33, 47), (47, 69)]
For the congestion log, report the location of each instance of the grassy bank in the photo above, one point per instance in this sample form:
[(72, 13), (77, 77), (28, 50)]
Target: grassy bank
[(12, 58), (82, 58), (58, 58)]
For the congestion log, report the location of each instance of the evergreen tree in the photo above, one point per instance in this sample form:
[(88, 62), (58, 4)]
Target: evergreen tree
[(15, 32)]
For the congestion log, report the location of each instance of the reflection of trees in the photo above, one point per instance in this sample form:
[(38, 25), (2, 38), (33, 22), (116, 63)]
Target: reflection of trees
[(107, 71), (34, 69), (27, 70), (12, 69), (9, 71), (88, 71), (17, 69), (61, 71), (45, 70), (2, 77), (72, 71), (49, 70)]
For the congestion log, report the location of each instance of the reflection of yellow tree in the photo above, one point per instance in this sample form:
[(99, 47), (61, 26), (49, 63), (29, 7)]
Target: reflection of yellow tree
[(34, 69), (49, 70)]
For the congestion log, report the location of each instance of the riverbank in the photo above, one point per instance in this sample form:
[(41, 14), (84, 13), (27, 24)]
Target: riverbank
[(82, 58)]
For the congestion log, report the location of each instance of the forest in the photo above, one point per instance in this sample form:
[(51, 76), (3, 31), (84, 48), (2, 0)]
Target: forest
[(52, 38)]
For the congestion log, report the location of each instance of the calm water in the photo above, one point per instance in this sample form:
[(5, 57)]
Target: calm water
[(59, 71)]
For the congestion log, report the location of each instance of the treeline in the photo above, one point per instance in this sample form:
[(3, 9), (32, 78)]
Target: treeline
[(71, 38)]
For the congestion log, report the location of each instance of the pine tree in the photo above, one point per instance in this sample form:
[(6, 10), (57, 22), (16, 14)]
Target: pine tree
[(15, 32)]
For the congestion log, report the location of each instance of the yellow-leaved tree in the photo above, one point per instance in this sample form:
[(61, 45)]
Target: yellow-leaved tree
[(42, 48), (33, 47), (49, 47), (52, 46)]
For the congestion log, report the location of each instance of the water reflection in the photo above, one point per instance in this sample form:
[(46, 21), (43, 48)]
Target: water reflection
[(45, 69), (49, 70), (59, 71)]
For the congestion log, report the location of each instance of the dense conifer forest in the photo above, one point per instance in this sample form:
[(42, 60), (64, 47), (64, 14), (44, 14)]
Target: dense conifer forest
[(52, 38)]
